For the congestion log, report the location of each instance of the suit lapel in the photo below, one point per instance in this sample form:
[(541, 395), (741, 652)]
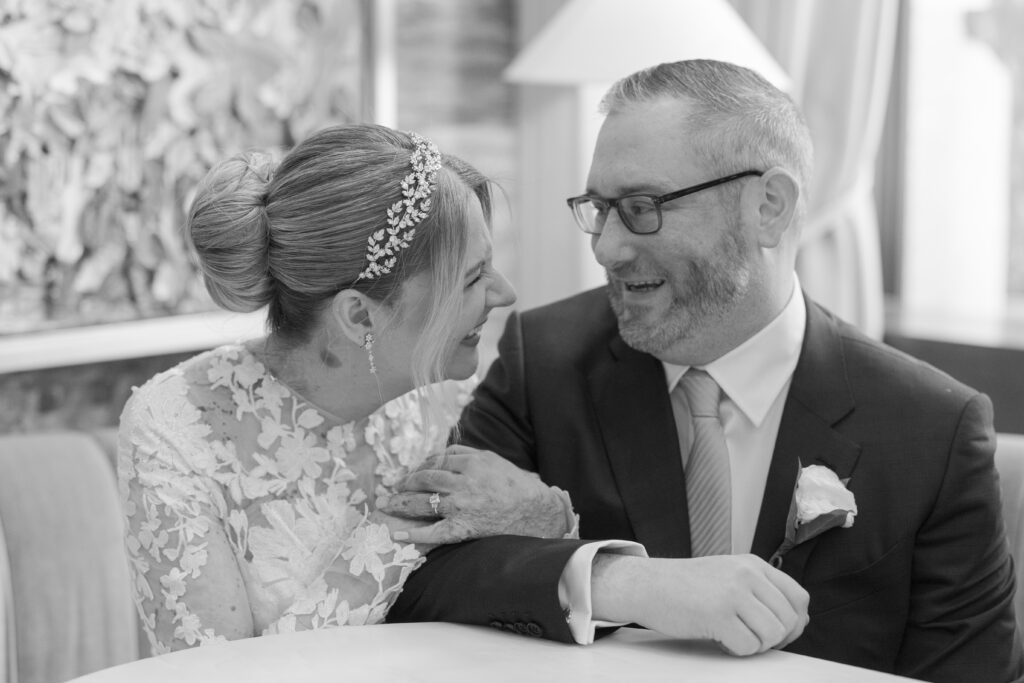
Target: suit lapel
[(819, 397), (634, 415)]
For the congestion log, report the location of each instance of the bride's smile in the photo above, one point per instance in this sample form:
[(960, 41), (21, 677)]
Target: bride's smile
[(484, 288)]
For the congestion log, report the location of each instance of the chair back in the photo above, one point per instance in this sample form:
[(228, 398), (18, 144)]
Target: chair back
[(1010, 465), (8, 672), (68, 611)]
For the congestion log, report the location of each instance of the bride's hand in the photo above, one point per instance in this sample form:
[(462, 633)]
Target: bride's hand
[(400, 528), (479, 494)]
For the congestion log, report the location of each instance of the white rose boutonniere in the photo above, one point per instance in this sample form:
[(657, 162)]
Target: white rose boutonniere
[(820, 501)]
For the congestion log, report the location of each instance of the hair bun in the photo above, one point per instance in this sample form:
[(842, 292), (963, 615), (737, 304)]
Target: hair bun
[(229, 229)]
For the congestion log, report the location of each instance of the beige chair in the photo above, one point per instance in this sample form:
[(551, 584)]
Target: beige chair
[(1010, 464), (67, 610), (7, 659)]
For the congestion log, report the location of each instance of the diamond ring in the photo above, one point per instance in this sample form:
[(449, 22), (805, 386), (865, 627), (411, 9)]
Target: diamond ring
[(435, 500)]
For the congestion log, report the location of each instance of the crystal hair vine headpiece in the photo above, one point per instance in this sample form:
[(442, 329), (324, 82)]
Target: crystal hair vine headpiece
[(382, 246)]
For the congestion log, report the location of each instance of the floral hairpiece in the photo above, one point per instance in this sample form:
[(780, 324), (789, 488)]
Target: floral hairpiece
[(382, 246)]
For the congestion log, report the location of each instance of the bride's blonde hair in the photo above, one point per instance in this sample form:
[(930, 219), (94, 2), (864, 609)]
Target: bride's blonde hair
[(291, 236)]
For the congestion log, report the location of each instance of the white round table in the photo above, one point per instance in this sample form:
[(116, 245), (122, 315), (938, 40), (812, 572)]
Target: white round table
[(450, 653)]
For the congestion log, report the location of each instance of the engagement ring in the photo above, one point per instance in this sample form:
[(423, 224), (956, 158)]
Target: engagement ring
[(435, 500)]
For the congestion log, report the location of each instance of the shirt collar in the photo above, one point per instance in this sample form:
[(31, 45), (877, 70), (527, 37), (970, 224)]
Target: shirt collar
[(753, 374)]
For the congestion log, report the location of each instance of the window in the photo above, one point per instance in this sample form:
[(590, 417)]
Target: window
[(951, 195), (959, 99)]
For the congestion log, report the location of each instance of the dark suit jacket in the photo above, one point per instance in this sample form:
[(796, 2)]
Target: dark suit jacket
[(921, 585)]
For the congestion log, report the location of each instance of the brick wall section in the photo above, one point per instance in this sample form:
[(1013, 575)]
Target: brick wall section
[(85, 397)]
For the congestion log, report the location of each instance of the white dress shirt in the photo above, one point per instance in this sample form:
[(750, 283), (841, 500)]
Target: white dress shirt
[(755, 379)]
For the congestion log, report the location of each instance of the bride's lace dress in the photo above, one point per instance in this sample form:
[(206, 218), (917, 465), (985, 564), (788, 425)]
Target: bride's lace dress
[(218, 460)]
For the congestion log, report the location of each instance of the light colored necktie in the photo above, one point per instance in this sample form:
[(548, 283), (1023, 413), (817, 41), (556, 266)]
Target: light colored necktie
[(708, 487)]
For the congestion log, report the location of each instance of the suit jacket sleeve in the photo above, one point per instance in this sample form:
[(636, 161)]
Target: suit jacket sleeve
[(508, 582), (498, 419), (961, 625)]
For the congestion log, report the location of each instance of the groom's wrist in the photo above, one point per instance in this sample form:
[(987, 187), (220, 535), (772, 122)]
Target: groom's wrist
[(612, 582)]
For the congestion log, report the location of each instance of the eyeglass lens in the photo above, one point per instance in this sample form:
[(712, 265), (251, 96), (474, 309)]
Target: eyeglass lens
[(639, 213)]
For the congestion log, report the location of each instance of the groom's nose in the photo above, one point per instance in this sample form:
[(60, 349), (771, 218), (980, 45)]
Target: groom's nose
[(615, 246)]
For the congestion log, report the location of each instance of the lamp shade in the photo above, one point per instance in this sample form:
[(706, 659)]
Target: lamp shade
[(600, 41)]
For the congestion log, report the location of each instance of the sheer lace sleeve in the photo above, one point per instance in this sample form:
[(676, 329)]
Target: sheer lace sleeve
[(188, 585)]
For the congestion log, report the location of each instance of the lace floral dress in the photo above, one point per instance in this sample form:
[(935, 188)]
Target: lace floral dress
[(217, 460)]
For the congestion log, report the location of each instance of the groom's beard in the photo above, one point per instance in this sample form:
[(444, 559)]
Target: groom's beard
[(711, 286)]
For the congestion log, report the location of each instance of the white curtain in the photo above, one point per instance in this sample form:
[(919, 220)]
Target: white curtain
[(839, 54)]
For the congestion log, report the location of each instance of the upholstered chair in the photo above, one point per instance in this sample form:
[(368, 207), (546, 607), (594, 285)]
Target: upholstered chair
[(1010, 464), (65, 596)]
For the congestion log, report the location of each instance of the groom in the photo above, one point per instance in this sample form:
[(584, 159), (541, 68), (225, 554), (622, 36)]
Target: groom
[(694, 204)]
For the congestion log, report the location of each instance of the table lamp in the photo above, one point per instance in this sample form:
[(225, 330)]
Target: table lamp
[(600, 41)]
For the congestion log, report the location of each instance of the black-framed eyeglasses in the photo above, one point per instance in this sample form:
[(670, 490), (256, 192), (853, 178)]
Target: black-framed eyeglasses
[(640, 213)]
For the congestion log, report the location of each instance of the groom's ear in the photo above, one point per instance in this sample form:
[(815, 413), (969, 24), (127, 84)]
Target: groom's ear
[(351, 312), (772, 204)]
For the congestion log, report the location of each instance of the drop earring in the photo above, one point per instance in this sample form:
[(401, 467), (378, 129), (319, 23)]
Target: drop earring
[(368, 345)]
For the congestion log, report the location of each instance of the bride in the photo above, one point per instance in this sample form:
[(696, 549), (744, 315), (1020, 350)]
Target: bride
[(251, 474)]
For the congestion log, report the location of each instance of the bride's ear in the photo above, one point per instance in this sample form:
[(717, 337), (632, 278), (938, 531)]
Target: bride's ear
[(353, 313)]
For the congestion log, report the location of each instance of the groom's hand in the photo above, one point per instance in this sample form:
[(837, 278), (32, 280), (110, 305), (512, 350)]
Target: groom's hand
[(739, 601), (479, 494)]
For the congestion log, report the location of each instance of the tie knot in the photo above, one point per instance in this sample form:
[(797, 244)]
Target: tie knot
[(702, 393)]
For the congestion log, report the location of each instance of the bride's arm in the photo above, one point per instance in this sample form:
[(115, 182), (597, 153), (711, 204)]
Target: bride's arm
[(188, 586)]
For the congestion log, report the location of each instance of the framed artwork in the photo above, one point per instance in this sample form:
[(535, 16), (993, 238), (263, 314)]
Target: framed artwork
[(110, 113)]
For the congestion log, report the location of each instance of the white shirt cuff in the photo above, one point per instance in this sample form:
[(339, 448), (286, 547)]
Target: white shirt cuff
[(574, 586)]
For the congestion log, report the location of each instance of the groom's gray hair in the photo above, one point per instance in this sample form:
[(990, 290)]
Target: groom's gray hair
[(738, 120)]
